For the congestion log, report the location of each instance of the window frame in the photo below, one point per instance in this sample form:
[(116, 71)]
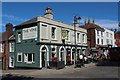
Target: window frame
[(19, 54), (53, 35), (26, 58), (11, 44), (19, 37)]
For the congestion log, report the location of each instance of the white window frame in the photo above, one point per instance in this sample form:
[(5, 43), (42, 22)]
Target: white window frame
[(19, 37), (78, 37), (26, 58), (53, 37), (10, 47), (18, 57)]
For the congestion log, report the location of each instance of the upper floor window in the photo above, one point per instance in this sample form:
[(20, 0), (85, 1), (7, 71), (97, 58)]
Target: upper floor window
[(97, 32), (11, 47), (98, 42), (111, 35), (67, 37), (101, 41), (78, 37), (101, 33), (83, 37), (19, 36), (107, 34), (53, 32)]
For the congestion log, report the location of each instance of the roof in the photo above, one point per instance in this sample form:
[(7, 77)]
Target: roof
[(92, 26), (2, 36), (34, 20)]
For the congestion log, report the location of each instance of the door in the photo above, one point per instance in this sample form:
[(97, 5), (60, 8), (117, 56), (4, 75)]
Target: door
[(11, 62), (43, 59)]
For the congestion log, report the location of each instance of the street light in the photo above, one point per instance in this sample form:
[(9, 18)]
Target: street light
[(75, 25)]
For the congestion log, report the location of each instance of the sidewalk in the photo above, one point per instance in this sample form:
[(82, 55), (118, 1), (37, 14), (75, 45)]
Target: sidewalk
[(44, 71)]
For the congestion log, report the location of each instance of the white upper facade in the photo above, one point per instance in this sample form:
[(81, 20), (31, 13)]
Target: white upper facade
[(54, 32), (105, 37)]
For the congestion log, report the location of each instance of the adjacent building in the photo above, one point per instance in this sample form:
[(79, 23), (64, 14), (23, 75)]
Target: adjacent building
[(98, 38), (117, 39)]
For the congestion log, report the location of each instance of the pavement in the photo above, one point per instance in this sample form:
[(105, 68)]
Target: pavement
[(94, 71), (44, 71)]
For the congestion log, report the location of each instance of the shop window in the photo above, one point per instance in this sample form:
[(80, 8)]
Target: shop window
[(29, 57)]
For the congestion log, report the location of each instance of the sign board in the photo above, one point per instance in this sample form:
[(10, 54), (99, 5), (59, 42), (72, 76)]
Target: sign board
[(64, 34), (29, 33)]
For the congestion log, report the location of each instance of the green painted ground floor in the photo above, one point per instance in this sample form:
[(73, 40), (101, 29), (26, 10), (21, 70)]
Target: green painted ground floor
[(45, 55)]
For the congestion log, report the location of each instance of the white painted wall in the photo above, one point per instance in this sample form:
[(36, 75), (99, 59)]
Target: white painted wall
[(104, 37), (45, 34)]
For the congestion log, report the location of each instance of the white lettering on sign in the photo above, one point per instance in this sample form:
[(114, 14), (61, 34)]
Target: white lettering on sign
[(29, 33)]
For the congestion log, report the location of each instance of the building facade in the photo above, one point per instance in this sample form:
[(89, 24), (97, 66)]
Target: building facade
[(44, 42), (99, 39)]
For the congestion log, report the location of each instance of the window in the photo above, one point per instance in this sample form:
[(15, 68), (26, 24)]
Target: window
[(101, 41), (53, 32), (111, 42), (101, 33), (83, 37), (19, 37), (19, 57), (98, 32), (111, 35), (11, 47), (67, 37), (98, 41), (2, 47), (107, 34), (29, 57), (78, 37), (107, 41)]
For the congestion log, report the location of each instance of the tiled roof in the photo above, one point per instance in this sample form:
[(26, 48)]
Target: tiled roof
[(92, 26)]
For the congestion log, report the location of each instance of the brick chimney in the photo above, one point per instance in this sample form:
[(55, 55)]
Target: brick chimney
[(8, 33)]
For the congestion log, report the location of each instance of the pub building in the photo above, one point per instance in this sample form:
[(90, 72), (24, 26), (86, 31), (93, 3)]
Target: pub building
[(45, 42)]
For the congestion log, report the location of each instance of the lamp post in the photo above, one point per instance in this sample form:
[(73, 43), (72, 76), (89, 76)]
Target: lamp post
[(75, 25)]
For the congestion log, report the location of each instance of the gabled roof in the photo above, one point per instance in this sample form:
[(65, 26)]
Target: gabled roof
[(2, 36), (92, 26)]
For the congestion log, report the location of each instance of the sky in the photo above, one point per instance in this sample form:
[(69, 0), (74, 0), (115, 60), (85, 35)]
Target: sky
[(105, 14)]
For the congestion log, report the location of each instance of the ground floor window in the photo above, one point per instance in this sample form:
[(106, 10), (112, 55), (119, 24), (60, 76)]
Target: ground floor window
[(29, 57), (19, 57)]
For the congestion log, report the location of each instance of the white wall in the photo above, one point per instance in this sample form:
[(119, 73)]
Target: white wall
[(45, 35)]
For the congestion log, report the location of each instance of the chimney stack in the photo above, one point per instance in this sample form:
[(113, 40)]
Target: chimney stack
[(8, 33), (48, 14), (88, 20)]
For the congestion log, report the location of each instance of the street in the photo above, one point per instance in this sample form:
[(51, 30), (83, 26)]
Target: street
[(101, 70)]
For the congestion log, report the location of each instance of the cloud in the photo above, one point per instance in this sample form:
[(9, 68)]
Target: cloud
[(107, 23), (104, 23), (12, 18)]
